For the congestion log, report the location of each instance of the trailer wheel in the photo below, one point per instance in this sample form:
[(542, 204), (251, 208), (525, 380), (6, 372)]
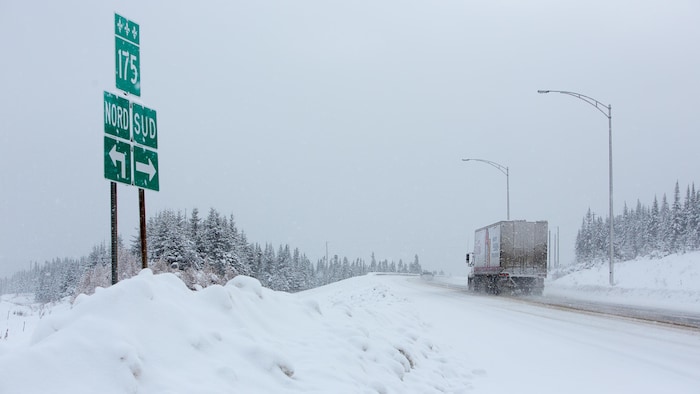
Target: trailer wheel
[(493, 285), (478, 284)]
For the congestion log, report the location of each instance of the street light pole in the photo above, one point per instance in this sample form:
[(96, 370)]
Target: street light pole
[(504, 170), (600, 107)]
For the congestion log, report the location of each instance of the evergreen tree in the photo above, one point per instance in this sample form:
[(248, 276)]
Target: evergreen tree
[(694, 221), (676, 229), (689, 227), (665, 226), (373, 264), (653, 234), (415, 267), (195, 235)]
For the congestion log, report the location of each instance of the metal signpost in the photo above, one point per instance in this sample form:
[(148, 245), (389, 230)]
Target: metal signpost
[(131, 132)]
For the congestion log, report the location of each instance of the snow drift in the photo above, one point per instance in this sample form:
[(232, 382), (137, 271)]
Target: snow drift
[(150, 334)]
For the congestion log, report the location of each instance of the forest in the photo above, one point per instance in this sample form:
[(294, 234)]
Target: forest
[(659, 230), (202, 252)]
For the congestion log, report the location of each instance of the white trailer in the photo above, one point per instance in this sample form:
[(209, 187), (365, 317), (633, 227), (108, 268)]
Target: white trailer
[(509, 255)]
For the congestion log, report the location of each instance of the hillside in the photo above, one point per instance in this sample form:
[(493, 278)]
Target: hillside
[(672, 282)]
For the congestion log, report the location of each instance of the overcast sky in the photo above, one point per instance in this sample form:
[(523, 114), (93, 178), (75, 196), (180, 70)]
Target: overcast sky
[(321, 121)]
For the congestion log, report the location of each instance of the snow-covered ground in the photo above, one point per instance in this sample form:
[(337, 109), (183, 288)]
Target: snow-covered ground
[(672, 282), (371, 334)]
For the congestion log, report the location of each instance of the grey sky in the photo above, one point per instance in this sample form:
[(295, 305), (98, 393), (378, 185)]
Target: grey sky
[(346, 122)]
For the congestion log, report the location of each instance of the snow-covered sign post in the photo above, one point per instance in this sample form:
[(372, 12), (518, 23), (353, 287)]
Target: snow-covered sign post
[(131, 131)]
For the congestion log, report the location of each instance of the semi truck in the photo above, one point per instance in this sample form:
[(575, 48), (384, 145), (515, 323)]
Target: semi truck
[(509, 256)]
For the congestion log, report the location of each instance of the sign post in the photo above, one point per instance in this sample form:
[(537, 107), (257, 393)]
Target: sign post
[(131, 132)]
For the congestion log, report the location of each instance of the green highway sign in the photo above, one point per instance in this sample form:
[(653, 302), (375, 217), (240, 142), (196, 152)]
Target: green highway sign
[(127, 36), (117, 160), (145, 126), (131, 129), (146, 168), (116, 116)]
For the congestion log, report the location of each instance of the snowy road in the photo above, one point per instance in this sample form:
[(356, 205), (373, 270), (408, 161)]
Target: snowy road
[(520, 347), (677, 318), (681, 318)]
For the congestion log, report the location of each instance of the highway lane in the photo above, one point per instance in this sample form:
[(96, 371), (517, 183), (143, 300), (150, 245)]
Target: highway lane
[(656, 315), (521, 345)]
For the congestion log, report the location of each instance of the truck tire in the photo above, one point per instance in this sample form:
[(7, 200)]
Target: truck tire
[(493, 285), (478, 284)]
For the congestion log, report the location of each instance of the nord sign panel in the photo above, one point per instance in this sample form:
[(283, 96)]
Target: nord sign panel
[(117, 119), (127, 58)]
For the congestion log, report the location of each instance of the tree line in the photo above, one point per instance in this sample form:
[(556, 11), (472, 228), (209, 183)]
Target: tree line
[(662, 229), (202, 252)]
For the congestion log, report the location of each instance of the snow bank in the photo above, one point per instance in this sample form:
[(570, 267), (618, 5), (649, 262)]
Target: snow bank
[(151, 334), (672, 282)]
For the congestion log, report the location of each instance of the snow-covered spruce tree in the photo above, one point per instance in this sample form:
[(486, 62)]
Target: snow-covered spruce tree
[(415, 267), (215, 241), (321, 272), (695, 218), (194, 231), (168, 239), (584, 239), (653, 239), (281, 278), (623, 237), (665, 226), (676, 231), (689, 224), (239, 250), (302, 272), (268, 265), (256, 260)]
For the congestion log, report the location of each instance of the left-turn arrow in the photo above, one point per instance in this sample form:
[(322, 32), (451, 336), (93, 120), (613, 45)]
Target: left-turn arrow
[(118, 157), (117, 160)]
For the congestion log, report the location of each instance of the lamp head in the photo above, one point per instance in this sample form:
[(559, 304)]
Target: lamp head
[(543, 91)]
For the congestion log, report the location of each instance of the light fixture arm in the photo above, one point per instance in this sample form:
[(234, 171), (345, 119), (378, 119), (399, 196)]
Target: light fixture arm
[(500, 167), (590, 100), (505, 172)]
